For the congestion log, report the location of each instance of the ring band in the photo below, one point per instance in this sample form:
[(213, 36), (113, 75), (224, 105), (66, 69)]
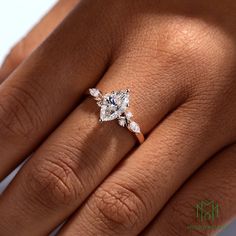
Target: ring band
[(115, 105)]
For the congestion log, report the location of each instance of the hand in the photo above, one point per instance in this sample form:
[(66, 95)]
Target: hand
[(178, 60)]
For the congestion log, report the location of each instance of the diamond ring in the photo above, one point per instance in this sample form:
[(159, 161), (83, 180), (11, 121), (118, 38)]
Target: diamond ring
[(115, 105)]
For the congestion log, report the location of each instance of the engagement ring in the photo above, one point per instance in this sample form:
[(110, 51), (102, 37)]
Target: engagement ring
[(115, 105)]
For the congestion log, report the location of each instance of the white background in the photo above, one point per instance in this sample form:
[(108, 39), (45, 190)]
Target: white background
[(16, 18)]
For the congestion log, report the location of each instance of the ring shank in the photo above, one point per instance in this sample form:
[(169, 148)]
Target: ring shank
[(140, 137)]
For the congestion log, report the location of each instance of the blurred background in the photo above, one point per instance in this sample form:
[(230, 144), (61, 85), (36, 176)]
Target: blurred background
[(17, 17)]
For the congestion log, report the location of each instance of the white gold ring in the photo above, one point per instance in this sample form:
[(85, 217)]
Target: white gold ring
[(115, 105)]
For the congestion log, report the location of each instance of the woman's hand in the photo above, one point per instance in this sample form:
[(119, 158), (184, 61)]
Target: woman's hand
[(178, 60)]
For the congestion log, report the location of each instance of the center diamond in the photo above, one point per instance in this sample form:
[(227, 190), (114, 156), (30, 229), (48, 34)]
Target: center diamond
[(114, 104)]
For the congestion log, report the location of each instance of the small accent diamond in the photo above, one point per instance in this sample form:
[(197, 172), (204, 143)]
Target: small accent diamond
[(128, 115), (122, 122), (94, 92), (134, 127)]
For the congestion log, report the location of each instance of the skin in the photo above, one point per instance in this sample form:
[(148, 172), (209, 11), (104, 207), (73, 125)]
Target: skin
[(178, 60)]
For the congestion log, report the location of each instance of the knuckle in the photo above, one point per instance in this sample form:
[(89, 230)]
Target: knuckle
[(184, 54), (118, 207), (180, 41), (188, 38), (18, 113), (19, 51), (12, 122), (16, 55), (58, 179), (175, 50)]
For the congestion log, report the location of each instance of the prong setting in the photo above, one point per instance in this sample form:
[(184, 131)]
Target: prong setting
[(114, 105)]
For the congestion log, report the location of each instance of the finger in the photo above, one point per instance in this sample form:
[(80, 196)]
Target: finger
[(214, 182), (36, 36), (80, 153), (41, 92), (132, 195)]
